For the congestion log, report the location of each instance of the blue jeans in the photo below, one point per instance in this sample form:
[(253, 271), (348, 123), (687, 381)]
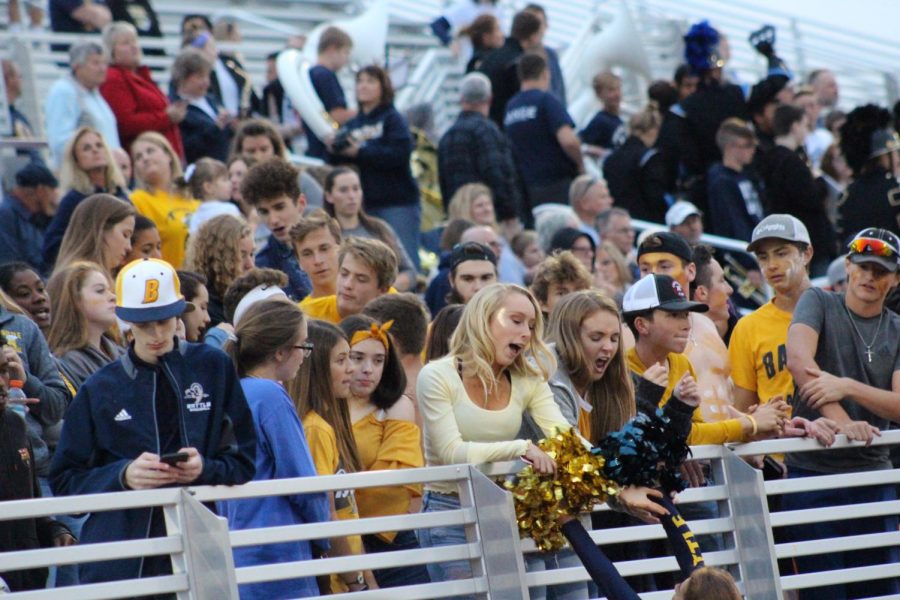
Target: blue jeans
[(548, 561), (65, 575), (841, 528), (397, 576), (444, 536), (406, 221)]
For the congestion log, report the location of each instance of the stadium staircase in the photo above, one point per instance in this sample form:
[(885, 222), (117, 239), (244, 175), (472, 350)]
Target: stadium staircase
[(866, 66)]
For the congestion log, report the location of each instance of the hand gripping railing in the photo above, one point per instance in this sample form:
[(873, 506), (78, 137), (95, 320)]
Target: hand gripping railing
[(200, 544)]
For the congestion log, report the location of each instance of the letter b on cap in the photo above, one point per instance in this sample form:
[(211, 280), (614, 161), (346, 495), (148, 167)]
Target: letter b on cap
[(151, 291)]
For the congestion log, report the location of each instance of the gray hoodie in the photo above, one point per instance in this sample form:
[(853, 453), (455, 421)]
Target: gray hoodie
[(43, 382), (647, 397)]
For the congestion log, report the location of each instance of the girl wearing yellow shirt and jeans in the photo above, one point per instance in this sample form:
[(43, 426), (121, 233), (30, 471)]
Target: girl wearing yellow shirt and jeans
[(387, 437), (320, 393)]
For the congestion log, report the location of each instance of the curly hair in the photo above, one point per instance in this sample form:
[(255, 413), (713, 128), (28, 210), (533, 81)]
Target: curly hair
[(213, 251), (270, 179), (558, 268)]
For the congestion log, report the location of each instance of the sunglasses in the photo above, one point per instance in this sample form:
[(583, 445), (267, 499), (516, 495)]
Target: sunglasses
[(307, 349), (872, 246)]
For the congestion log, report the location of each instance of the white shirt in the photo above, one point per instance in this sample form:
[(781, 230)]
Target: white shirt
[(231, 93), (69, 106)]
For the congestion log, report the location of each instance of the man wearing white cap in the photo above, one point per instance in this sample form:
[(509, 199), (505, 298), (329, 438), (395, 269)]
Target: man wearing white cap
[(686, 220), (166, 413)]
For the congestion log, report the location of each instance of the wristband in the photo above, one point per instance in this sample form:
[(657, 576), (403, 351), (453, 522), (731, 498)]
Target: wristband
[(753, 423)]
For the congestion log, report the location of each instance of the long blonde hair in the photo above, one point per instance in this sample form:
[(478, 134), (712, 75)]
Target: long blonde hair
[(214, 251), (472, 344), (73, 177), (69, 329), (175, 172), (612, 396)]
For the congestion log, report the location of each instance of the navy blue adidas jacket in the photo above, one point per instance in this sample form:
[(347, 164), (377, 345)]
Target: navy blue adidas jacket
[(112, 421)]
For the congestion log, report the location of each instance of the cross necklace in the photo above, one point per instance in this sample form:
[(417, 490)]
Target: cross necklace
[(868, 351)]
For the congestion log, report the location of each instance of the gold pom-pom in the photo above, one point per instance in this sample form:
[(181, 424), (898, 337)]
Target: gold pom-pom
[(579, 484)]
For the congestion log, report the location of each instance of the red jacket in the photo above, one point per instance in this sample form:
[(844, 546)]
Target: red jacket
[(139, 106)]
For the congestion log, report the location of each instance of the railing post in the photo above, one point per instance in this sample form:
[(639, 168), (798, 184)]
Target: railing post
[(498, 533), (207, 551), (752, 529)]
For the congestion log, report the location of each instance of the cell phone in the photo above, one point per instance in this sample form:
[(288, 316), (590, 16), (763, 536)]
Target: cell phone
[(174, 458)]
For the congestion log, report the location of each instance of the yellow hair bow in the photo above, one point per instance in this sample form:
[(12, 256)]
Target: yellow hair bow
[(375, 333)]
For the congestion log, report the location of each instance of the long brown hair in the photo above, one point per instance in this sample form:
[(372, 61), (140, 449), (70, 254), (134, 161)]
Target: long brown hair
[(611, 397), (69, 329), (312, 389), (266, 327), (93, 217)]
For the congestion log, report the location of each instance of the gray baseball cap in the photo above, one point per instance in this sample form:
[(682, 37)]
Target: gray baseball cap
[(781, 227)]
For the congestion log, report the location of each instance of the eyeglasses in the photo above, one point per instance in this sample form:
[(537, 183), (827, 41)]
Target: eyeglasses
[(307, 349), (872, 246)]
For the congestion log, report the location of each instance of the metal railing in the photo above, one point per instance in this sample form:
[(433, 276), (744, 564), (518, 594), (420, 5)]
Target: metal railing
[(200, 544)]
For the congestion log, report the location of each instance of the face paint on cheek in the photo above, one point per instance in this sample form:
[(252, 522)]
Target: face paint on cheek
[(502, 318)]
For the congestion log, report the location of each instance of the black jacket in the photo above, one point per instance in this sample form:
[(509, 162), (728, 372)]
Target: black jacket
[(636, 178), (201, 135), (250, 103), (791, 189), (500, 67), (872, 200), (18, 481), (704, 111)]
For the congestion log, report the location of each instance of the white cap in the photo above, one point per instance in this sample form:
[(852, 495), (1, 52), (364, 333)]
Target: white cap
[(260, 292), (147, 290), (680, 211)]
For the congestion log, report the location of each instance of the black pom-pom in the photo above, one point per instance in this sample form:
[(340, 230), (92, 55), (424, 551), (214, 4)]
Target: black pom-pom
[(645, 453)]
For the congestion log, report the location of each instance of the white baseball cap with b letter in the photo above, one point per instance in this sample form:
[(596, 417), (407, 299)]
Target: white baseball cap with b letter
[(148, 290)]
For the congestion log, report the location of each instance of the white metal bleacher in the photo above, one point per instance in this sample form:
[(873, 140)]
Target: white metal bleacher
[(200, 544)]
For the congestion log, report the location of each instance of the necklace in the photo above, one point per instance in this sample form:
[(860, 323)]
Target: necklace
[(868, 346)]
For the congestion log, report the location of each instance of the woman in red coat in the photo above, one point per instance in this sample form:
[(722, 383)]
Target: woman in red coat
[(136, 100)]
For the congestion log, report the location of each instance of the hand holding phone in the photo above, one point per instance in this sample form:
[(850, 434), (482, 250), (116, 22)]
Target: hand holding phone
[(174, 458)]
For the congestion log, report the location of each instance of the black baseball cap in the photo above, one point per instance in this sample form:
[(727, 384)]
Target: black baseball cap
[(666, 241), (34, 174), (875, 245), (471, 251), (659, 292)]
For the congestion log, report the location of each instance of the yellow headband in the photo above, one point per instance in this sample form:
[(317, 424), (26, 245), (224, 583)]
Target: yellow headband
[(375, 333)]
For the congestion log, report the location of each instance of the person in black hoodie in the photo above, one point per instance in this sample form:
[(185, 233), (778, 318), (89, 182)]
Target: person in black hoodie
[(379, 143), (871, 149), (526, 35), (18, 481), (635, 172), (791, 189)]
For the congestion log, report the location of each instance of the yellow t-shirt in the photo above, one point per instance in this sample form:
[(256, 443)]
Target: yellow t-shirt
[(759, 356), (323, 308), (172, 216), (730, 430), (323, 447), (387, 444)]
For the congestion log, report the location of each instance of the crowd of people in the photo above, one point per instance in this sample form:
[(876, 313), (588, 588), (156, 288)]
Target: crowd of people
[(181, 305)]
